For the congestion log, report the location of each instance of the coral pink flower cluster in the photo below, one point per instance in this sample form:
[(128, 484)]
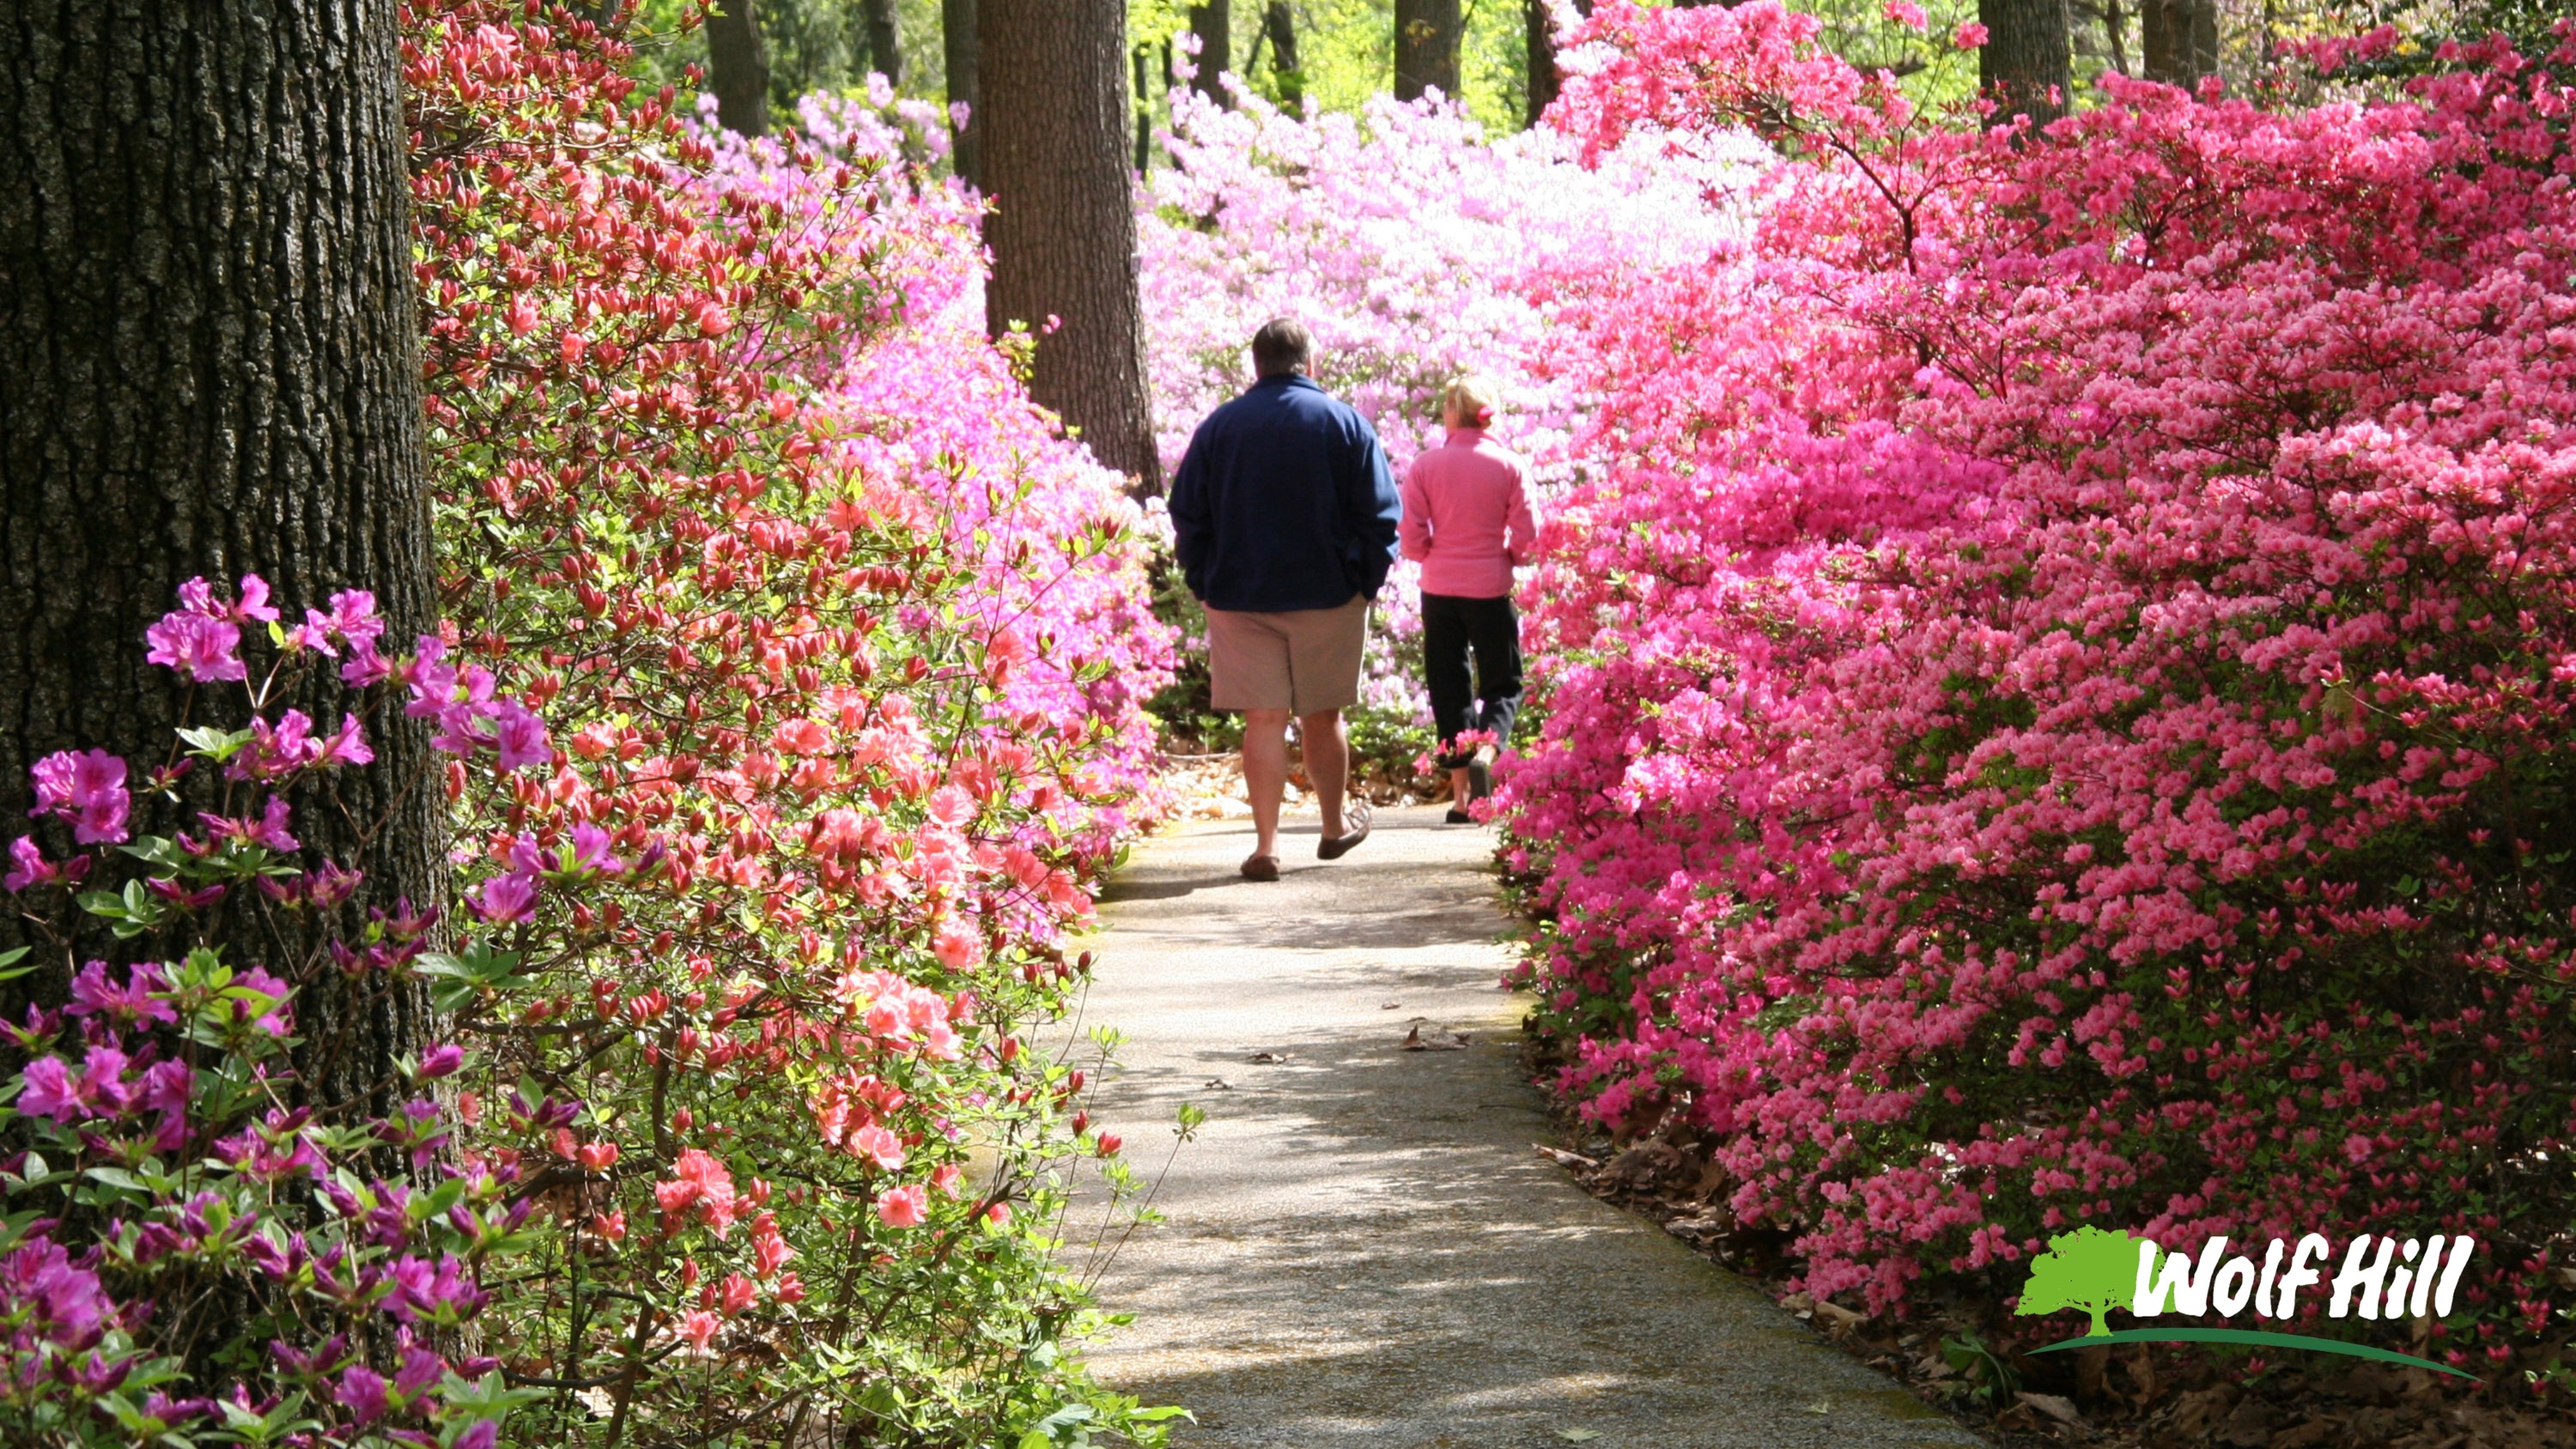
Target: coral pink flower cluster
[(2059, 711)]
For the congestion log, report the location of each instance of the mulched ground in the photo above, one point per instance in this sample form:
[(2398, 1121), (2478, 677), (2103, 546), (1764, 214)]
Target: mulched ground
[(2131, 1396)]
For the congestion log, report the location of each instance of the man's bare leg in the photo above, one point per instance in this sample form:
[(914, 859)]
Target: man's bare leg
[(1265, 773), (1327, 747)]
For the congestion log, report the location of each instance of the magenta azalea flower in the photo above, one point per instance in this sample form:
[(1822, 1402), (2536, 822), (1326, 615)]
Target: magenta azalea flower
[(205, 650), (87, 789)]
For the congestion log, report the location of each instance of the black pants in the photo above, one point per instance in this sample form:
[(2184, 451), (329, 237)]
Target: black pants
[(1452, 626)]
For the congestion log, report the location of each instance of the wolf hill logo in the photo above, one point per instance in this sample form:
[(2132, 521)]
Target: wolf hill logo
[(2093, 1271)]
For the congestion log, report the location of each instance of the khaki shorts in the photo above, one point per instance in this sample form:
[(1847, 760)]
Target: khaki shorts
[(1304, 661)]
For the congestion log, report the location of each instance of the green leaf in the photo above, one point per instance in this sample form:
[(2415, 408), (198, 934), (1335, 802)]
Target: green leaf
[(210, 743), (158, 850), (119, 1178)]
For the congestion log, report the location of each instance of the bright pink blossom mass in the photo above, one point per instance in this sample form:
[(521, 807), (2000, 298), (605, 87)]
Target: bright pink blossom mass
[(2057, 708)]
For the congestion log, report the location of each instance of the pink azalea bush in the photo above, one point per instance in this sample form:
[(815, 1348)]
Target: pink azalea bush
[(925, 397), (789, 698), (2059, 678), (171, 1181), (813, 603)]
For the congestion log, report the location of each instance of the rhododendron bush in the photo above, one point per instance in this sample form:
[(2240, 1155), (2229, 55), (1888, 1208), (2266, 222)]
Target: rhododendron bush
[(2059, 689), (1401, 238), (790, 680)]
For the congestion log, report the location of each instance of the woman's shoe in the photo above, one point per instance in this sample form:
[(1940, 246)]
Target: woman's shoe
[(1261, 867), (1459, 817)]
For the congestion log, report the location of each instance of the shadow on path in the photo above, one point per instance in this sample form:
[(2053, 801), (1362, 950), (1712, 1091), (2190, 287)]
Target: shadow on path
[(1362, 1248)]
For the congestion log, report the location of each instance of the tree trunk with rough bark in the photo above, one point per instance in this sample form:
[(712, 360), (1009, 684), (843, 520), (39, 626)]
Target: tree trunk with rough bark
[(1213, 24), (1285, 70), (1426, 48), (738, 68), (1543, 83), (214, 369), (885, 39), (958, 47), (1143, 58), (2026, 64), (2180, 40), (1063, 229)]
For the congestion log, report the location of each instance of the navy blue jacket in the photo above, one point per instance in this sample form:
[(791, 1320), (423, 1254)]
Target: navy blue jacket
[(1284, 501)]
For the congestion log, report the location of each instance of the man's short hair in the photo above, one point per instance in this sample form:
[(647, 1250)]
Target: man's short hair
[(1280, 347)]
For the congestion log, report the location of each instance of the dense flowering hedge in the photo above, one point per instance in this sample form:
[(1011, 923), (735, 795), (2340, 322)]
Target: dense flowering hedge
[(1401, 237), (802, 661), (925, 397), (2058, 704), (820, 607)]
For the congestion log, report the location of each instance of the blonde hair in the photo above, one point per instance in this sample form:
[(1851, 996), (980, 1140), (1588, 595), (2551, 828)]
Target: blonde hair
[(1469, 401)]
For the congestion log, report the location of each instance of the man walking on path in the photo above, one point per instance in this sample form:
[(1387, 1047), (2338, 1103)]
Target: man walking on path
[(1284, 514)]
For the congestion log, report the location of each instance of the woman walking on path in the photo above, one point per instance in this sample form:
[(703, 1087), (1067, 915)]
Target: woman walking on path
[(1467, 518)]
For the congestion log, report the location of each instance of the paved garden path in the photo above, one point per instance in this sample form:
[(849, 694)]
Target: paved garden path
[(1362, 1248)]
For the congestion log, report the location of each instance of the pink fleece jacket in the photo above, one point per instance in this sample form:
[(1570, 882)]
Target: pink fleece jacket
[(1467, 515)]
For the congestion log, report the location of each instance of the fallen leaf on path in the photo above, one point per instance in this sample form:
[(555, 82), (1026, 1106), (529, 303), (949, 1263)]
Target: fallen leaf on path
[(1220, 1084), (1389, 1005), (2063, 1410), (1578, 1436), (1415, 1041), (1836, 1316), (1563, 1158), (1820, 1407), (1270, 1056)]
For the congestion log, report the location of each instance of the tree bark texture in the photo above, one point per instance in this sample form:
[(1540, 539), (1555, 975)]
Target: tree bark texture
[(207, 303), (1286, 72), (885, 39), (1213, 24), (1426, 48), (2115, 26), (2026, 64), (1539, 31), (1544, 83), (1143, 58), (2180, 40), (958, 47), (738, 68), (1063, 228)]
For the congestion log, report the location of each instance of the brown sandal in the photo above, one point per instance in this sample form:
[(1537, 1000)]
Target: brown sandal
[(1261, 867), (1355, 822)]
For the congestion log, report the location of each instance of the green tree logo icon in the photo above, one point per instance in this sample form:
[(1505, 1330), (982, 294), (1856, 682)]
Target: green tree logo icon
[(2087, 1269)]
